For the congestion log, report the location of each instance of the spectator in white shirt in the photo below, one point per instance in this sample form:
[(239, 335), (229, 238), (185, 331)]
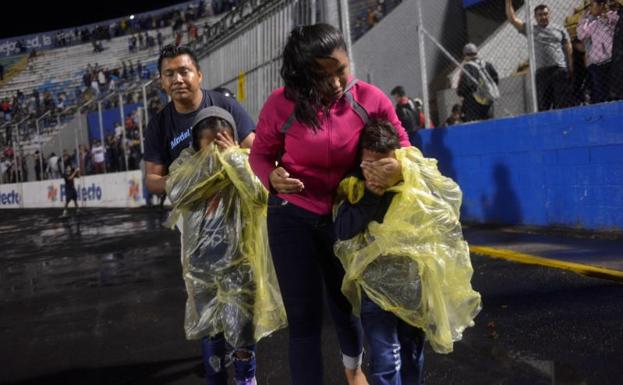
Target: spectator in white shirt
[(98, 152)]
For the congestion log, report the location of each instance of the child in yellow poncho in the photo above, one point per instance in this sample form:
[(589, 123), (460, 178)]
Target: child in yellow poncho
[(233, 295), (407, 267)]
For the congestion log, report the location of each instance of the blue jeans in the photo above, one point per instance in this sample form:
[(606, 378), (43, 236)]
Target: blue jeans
[(215, 360), (301, 244), (396, 348)]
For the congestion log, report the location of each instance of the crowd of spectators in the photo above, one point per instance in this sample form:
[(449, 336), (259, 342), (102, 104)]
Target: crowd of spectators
[(369, 15), (97, 158), (130, 26)]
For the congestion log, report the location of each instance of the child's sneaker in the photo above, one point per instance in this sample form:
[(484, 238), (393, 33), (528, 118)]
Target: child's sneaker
[(249, 381)]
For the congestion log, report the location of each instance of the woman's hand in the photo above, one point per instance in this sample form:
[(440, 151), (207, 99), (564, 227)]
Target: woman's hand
[(224, 141), (383, 173), (283, 184)]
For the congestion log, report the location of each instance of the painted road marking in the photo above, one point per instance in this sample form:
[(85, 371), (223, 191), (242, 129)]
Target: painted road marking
[(588, 270)]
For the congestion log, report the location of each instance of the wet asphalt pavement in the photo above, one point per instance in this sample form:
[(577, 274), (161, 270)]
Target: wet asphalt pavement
[(99, 299)]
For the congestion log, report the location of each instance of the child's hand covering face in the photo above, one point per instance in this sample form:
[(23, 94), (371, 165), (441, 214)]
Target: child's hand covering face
[(224, 140), (380, 171)]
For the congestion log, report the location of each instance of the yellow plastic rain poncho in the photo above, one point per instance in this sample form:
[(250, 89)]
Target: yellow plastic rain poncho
[(228, 271), (416, 263)]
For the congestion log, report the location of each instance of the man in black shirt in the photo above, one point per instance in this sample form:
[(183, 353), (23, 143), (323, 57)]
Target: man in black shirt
[(169, 132), (70, 189), (410, 115)]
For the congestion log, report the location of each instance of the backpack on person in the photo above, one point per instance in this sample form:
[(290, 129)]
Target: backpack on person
[(487, 91), (413, 114)]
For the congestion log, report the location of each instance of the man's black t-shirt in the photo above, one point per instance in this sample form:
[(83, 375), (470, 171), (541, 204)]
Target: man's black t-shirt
[(69, 183), (169, 132), (408, 117)]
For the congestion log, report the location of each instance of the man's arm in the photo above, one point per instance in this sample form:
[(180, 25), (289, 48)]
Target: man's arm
[(512, 17), (155, 177), (248, 141)]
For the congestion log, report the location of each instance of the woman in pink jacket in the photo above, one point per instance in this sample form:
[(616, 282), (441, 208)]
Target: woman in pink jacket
[(306, 142), (596, 30)]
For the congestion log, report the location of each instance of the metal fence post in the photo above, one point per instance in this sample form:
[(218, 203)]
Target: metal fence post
[(423, 67), (345, 27), (60, 152), (101, 121), (140, 130), (40, 157), (534, 104), (15, 140), (123, 137), (145, 101)]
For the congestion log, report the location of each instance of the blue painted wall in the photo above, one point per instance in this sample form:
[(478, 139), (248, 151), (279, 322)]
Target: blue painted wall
[(469, 3), (553, 168), (109, 118)]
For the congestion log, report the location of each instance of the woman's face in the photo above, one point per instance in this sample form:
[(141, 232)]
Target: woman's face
[(333, 73)]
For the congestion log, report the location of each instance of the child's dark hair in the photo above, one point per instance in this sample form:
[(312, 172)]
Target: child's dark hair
[(211, 123), (379, 136)]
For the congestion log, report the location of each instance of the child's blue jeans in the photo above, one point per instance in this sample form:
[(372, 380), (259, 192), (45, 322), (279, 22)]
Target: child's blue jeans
[(396, 349), (216, 357)]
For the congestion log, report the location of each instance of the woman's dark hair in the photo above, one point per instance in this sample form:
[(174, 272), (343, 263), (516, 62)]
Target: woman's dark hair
[(379, 136), (302, 84), (211, 123)]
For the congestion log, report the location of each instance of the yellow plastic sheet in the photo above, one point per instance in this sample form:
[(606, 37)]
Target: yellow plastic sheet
[(219, 206), (416, 263)]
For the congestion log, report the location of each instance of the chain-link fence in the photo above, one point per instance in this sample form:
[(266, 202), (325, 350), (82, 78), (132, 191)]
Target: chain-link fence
[(473, 61), (104, 134), (497, 58), (247, 60)]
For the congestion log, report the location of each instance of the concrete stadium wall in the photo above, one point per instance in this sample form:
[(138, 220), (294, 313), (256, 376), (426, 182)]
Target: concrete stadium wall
[(553, 168), (388, 54)]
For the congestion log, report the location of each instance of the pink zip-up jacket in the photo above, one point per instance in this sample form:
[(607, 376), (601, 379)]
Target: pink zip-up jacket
[(322, 158), (600, 31)]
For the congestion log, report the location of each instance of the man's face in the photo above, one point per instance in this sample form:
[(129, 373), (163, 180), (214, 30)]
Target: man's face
[(597, 8), (542, 17), (396, 98), (180, 78)]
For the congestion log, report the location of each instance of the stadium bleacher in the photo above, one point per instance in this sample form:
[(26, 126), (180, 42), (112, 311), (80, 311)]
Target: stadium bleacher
[(59, 71)]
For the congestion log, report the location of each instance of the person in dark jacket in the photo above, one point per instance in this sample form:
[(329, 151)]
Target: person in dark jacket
[(474, 107), (411, 116)]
